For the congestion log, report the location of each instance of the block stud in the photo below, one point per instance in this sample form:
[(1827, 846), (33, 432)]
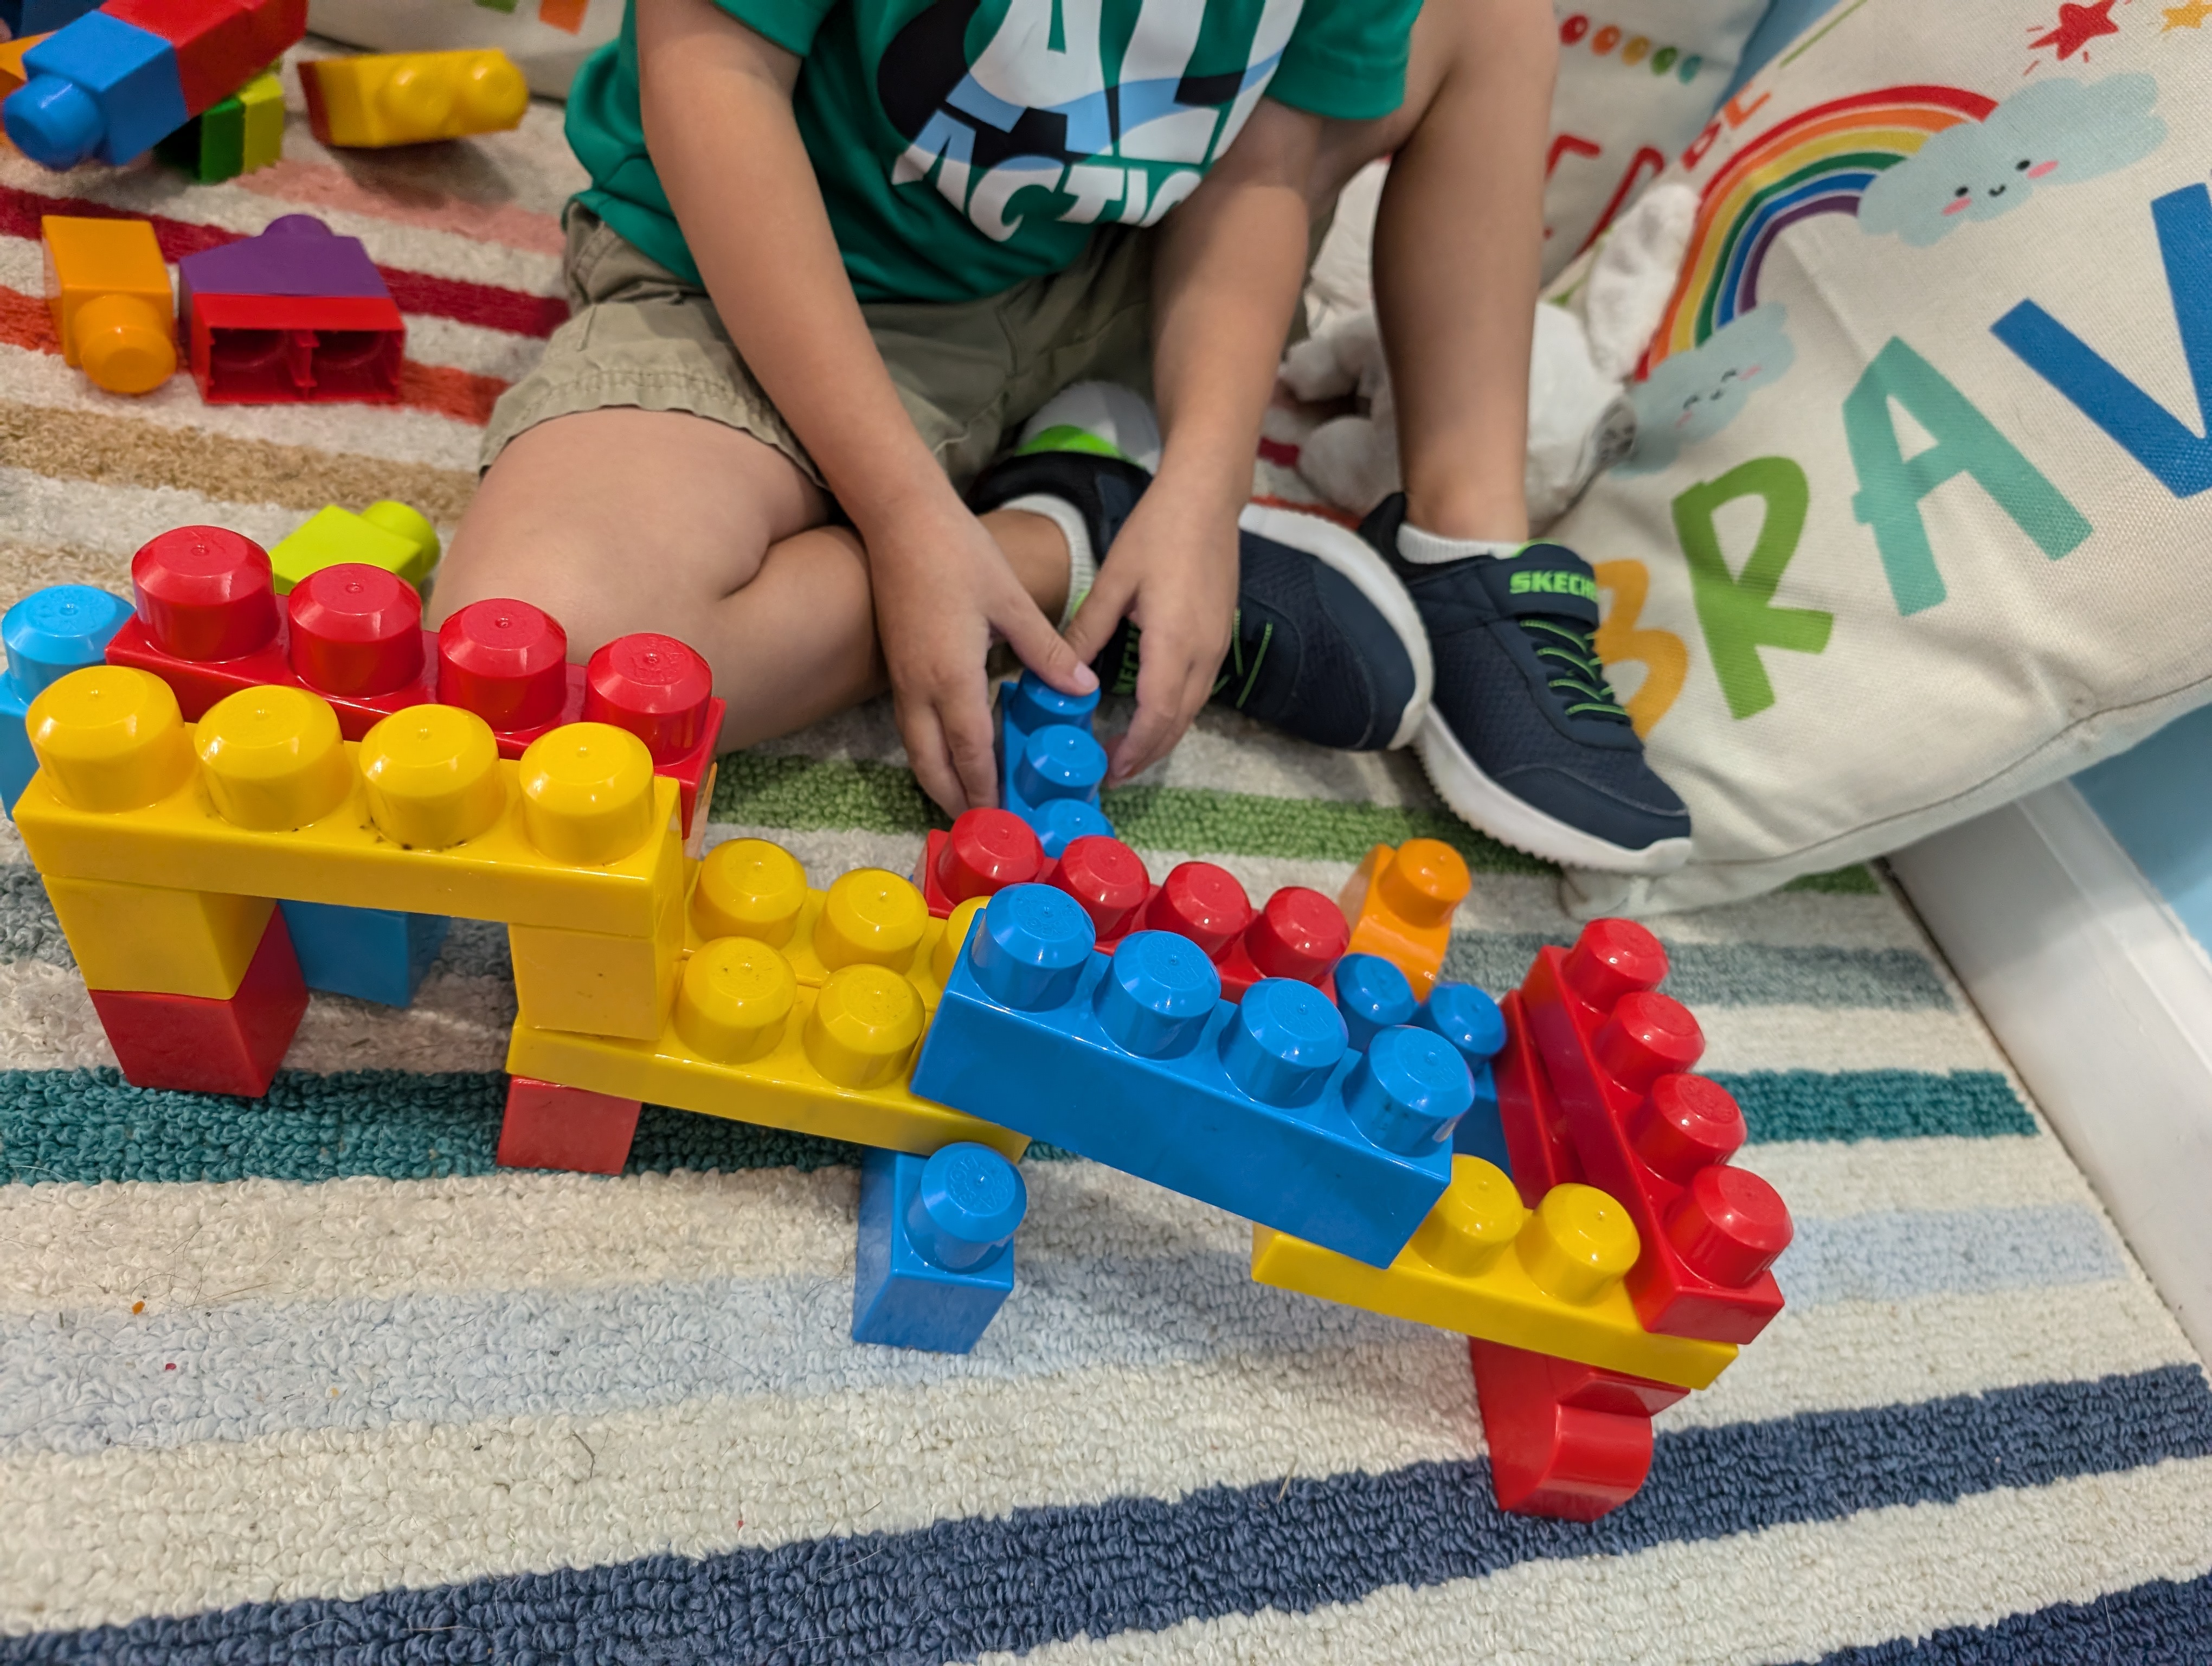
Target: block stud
[(1283, 1042), (432, 777), (749, 888), (1059, 763), (587, 794), (1063, 821), (124, 344), (1466, 1018), (1300, 933), (987, 851), (1647, 1036), (872, 917), (356, 630), (507, 661), (1032, 948), (1035, 704), (1729, 1225), (1156, 995), (864, 1026), (205, 593), (273, 759), (653, 686), (1203, 902), (1425, 883), (1107, 878), (56, 631), (947, 955), (109, 738), (1407, 1090), (1614, 958), (1474, 1222), (493, 93), (1580, 1244), (1686, 1123), (1372, 994), (735, 999), (966, 1207)]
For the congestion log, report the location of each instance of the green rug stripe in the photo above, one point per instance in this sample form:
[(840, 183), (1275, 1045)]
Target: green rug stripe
[(88, 1125), (1733, 974), (1857, 881)]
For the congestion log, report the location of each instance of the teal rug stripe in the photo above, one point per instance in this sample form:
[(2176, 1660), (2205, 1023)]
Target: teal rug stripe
[(88, 1125), (1733, 974)]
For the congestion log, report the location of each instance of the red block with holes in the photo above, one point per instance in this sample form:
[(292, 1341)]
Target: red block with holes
[(1298, 933), (198, 1045), (550, 1126), (1565, 1440), (1655, 1137), (295, 349), (1537, 1144), (209, 622)]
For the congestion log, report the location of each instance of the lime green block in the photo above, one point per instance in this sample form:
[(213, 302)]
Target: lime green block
[(262, 103), (387, 535)]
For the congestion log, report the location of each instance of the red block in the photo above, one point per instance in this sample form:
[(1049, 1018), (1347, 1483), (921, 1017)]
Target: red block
[(1565, 1440), (1654, 1138), (221, 45), (1109, 880), (1299, 934), (197, 1045), (987, 850), (550, 1126), (295, 349), (1537, 1144)]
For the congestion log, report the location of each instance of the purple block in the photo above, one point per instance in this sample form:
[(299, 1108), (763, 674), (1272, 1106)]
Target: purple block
[(297, 255)]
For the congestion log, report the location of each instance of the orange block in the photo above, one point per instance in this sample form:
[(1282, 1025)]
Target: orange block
[(1400, 904), (11, 64), (108, 290)]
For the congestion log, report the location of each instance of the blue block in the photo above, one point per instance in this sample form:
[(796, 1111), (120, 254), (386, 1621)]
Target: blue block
[(935, 1259), (50, 633), (17, 762), (1470, 1020), (377, 954), (1262, 1109), (1050, 766), (98, 88)]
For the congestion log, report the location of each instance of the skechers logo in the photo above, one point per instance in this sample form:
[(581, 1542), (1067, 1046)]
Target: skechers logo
[(1555, 584)]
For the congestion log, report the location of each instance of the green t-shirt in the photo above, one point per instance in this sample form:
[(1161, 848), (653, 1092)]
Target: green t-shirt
[(965, 145)]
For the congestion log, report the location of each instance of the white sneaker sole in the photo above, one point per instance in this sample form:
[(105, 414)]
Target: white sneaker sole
[(1482, 803), (1342, 551)]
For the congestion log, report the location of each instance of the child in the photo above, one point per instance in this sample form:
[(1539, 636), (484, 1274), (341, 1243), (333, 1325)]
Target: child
[(835, 253)]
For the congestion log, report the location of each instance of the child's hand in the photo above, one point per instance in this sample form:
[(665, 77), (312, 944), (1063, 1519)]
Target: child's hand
[(1173, 572), (942, 589)]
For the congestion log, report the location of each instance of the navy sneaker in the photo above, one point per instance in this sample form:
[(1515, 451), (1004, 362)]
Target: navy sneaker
[(1326, 645), (1524, 738)]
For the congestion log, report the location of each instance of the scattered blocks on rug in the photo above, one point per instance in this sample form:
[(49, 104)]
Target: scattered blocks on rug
[(1400, 904), (243, 132), (48, 634), (387, 534), (1547, 1278), (296, 315), (411, 98), (372, 954), (934, 1260), (195, 1044), (1566, 1440), (1136, 1061), (108, 289), (550, 1126), (1646, 1131), (1050, 766)]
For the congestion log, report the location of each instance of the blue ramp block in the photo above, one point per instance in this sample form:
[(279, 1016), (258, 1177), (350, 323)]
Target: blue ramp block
[(377, 954), (936, 1251)]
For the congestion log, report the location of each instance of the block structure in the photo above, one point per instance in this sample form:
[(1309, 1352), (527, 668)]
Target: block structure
[(934, 1257), (1566, 1440), (297, 314), (1400, 904), (412, 98), (107, 289), (1657, 1138), (243, 132), (50, 633), (372, 954), (231, 1044), (1050, 765), (1136, 1061)]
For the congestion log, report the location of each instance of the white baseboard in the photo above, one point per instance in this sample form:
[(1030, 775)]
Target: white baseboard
[(2104, 1002)]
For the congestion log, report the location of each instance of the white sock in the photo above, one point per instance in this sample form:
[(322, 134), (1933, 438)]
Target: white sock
[(1082, 563), (1427, 548)]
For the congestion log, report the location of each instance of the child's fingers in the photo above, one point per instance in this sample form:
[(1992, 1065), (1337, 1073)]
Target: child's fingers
[(929, 757), (1043, 649), (1169, 695), (1101, 612), (967, 725)]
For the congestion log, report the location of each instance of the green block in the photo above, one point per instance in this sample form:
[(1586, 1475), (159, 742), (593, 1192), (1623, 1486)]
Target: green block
[(388, 535)]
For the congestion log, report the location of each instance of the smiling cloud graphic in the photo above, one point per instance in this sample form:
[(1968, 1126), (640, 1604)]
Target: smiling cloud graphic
[(1692, 396), (2054, 133)]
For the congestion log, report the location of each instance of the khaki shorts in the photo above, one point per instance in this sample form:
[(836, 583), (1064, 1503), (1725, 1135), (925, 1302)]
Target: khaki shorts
[(969, 372)]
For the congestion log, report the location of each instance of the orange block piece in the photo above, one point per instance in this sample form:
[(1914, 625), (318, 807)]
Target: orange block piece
[(108, 290), (12, 75), (1399, 905)]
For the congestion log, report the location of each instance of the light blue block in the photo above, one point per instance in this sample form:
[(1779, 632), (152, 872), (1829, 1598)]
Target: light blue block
[(1050, 766), (376, 954), (935, 1254), (49, 634), (17, 762), (100, 87)]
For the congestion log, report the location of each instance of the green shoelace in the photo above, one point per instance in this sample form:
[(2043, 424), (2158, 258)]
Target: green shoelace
[(1235, 667), (1579, 673)]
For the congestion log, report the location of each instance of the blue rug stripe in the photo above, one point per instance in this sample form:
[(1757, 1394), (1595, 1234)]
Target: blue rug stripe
[(88, 1125), (965, 1587), (2166, 1622), (236, 1371), (1733, 974)]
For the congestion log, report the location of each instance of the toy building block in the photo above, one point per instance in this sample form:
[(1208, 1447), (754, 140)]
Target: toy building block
[(387, 534), (1050, 766), (12, 72), (372, 954), (146, 940), (112, 82), (1136, 1062), (550, 1126), (1540, 1152), (1655, 1137), (1297, 934), (243, 132), (1566, 1440), (297, 314), (1547, 1278), (1108, 880), (50, 633), (596, 982), (1373, 994), (746, 1040), (935, 1256), (986, 851), (411, 98), (1399, 903), (193, 1044), (108, 291), (263, 798)]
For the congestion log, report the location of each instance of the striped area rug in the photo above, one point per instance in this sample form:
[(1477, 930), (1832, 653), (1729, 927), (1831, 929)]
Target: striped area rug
[(310, 1379)]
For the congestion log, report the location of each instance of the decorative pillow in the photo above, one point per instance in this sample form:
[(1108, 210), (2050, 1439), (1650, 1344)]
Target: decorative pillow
[(548, 40), (1917, 514)]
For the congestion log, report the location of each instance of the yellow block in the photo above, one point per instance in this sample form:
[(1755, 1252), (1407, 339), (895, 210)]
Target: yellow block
[(386, 534), (157, 942), (596, 983), (1548, 1279), (263, 99), (1399, 905), (122, 793), (407, 98), (747, 1041)]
